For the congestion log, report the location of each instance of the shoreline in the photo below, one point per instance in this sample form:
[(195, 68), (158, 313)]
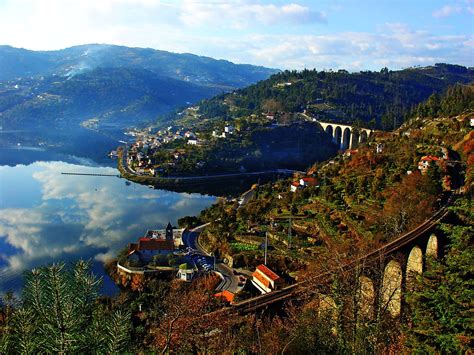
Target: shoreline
[(183, 181)]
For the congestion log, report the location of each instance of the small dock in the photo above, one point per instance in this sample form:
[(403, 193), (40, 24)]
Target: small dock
[(90, 174)]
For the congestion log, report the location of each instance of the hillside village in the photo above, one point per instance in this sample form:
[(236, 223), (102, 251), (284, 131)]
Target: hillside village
[(291, 258), (345, 197), (198, 149)]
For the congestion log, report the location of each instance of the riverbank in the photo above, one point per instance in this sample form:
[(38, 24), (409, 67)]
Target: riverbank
[(223, 184)]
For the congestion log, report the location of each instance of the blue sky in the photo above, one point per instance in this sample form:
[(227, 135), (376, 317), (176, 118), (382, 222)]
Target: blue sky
[(294, 34)]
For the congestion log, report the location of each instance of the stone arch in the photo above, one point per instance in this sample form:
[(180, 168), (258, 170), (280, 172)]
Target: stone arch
[(366, 297), (346, 138), (355, 138), (338, 136), (432, 246), (414, 266), (363, 136), (329, 130), (391, 292)]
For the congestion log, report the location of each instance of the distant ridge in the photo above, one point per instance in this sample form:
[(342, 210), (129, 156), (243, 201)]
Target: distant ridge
[(19, 62)]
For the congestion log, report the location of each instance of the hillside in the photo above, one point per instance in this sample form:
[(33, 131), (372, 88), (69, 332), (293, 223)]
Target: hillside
[(373, 194), (377, 99), (119, 96), (350, 205), (290, 146), (200, 144), (17, 62), (54, 98)]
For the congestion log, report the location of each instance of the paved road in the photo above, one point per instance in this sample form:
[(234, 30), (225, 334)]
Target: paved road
[(201, 177), (246, 197), (231, 281)]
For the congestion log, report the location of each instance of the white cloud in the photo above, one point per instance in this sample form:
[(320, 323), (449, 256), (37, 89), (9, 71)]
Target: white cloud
[(243, 31), (461, 6), (447, 10), (242, 13), (83, 217), (393, 45)]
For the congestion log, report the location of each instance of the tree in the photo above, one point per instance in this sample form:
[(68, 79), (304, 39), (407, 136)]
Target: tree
[(183, 324), (442, 301), (59, 313), (408, 203)]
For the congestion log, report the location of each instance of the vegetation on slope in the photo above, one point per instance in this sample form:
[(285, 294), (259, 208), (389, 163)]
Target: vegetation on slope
[(359, 196), (442, 301), (379, 99), (292, 146)]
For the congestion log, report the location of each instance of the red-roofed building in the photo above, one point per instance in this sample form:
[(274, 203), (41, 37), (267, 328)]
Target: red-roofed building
[(350, 152), (309, 181), (266, 280), (295, 185), (304, 182), (426, 161), (226, 295), (152, 244)]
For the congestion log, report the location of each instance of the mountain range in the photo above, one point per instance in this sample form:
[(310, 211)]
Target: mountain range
[(105, 88)]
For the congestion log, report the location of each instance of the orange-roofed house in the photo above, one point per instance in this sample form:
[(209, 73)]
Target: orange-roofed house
[(266, 280), (425, 163), (295, 185), (309, 181), (226, 295)]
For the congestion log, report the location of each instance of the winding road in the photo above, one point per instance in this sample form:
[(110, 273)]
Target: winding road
[(230, 279)]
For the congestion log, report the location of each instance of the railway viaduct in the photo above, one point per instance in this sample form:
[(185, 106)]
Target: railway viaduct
[(345, 136), (400, 261)]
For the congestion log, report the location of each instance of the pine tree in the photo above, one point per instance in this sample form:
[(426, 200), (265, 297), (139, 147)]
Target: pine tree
[(60, 314)]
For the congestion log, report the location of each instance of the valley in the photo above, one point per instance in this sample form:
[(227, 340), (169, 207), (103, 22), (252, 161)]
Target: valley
[(341, 197)]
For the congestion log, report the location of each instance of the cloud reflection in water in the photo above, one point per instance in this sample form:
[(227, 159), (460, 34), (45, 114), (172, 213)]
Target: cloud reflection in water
[(76, 216)]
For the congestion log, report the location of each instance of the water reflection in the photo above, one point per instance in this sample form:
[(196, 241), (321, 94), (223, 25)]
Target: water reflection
[(46, 216)]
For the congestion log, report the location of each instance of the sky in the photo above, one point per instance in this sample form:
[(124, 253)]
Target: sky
[(322, 34)]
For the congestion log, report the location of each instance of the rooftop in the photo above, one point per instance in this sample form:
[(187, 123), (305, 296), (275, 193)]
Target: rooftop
[(267, 272)]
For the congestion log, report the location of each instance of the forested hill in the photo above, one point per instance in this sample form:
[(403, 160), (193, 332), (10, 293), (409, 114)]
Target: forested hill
[(59, 99), (18, 62), (122, 96), (379, 99)]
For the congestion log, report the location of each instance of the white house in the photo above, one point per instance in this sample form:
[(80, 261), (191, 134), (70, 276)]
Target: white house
[(265, 280), (185, 273), (379, 148), (295, 185)]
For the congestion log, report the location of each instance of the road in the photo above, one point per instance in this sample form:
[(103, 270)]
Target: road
[(246, 197), (215, 176), (231, 281)]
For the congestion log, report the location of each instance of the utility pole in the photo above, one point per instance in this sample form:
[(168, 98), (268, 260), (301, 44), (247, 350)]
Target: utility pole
[(266, 244), (289, 232)]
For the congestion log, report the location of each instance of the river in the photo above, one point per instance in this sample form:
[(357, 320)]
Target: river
[(47, 217)]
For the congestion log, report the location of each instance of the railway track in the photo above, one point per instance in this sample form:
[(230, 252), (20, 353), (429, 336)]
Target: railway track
[(288, 292)]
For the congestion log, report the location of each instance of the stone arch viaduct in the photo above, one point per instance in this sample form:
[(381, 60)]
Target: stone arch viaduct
[(401, 260), (345, 136)]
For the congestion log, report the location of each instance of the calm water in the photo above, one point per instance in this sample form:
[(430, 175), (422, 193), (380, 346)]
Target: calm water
[(47, 217)]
